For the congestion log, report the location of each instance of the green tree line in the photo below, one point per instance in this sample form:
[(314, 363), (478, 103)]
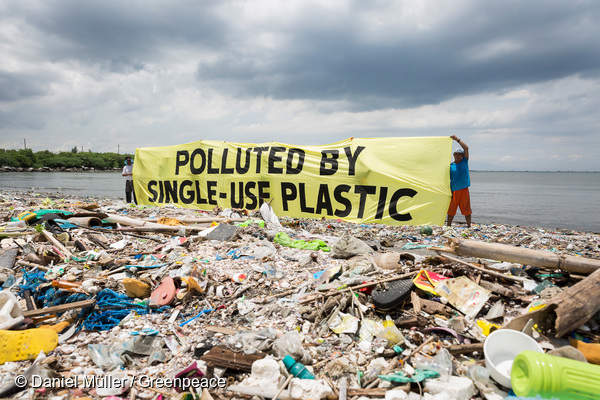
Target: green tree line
[(26, 158)]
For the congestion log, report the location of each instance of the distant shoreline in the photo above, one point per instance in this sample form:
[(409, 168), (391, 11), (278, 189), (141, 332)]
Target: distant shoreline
[(59, 169)]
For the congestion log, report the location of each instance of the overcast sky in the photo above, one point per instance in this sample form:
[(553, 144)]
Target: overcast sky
[(517, 80)]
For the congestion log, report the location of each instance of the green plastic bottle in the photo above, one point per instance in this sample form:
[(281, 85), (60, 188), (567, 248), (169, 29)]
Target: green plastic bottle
[(554, 377), (297, 368)]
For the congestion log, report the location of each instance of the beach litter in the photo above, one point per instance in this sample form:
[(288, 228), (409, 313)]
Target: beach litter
[(285, 308)]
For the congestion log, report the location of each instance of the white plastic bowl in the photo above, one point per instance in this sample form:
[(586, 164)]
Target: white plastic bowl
[(500, 349)]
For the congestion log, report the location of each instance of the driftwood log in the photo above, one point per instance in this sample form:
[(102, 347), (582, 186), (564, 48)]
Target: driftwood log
[(569, 310), (536, 258)]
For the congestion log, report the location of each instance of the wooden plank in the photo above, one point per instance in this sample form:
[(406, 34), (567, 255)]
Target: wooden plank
[(221, 356), (60, 308), (465, 348)]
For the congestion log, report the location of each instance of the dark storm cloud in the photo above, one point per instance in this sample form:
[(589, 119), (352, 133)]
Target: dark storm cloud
[(485, 47), (18, 86), (121, 35)]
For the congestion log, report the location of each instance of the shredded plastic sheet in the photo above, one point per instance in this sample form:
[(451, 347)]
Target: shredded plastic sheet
[(426, 280), (343, 323), (283, 239), (419, 376), (385, 329), (464, 294), (249, 222), (32, 215)]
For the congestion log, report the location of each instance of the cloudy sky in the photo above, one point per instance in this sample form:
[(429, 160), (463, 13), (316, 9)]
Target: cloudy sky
[(519, 81)]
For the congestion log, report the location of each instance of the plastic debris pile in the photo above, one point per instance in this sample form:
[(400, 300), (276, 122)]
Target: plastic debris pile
[(179, 303)]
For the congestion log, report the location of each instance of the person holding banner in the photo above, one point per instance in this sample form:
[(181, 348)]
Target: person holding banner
[(128, 174), (459, 183)]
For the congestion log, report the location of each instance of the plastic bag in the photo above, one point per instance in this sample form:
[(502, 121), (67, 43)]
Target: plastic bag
[(290, 344), (442, 362), (390, 332), (343, 323), (426, 280)]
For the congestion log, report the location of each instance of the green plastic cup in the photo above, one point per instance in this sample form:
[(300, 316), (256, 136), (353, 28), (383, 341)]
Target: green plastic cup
[(554, 377)]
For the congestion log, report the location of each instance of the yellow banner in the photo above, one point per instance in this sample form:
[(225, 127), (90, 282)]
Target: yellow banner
[(380, 180)]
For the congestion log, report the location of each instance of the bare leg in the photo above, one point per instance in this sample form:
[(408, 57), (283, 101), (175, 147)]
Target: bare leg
[(450, 218), (468, 218)]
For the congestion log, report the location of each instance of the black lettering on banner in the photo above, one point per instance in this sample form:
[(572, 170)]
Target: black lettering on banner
[(250, 195), (289, 170), (288, 193), (151, 185), (193, 168), (274, 158), (262, 194), (323, 200), (161, 192), (259, 151), (210, 169), (332, 161), (381, 203), (240, 202), (364, 190), (337, 194), (303, 207), (238, 161), (394, 204), (211, 192), (199, 199), (352, 158), (186, 197), (224, 169), (170, 191), (180, 162)]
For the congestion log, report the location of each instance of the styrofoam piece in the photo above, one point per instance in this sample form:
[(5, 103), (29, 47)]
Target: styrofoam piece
[(452, 387), (309, 389), (396, 394), (263, 381), (10, 312)]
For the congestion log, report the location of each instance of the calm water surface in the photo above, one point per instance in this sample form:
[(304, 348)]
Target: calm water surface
[(551, 199)]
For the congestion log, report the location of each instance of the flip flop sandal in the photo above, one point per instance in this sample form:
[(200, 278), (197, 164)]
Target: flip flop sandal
[(393, 296), (164, 293), (26, 344)]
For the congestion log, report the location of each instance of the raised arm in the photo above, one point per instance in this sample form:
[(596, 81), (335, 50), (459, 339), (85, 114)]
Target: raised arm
[(463, 145)]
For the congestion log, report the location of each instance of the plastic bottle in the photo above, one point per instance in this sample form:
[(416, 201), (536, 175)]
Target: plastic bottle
[(16, 224), (296, 368), (537, 373)]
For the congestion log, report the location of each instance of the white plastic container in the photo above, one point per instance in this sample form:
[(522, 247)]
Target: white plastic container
[(500, 349), (16, 224), (10, 312)]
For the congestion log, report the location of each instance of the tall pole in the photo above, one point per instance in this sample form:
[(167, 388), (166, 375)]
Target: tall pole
[(118, 148), (25, 143)]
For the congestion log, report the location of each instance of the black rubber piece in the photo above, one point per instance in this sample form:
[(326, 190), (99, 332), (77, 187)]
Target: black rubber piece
[(393, 296)]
